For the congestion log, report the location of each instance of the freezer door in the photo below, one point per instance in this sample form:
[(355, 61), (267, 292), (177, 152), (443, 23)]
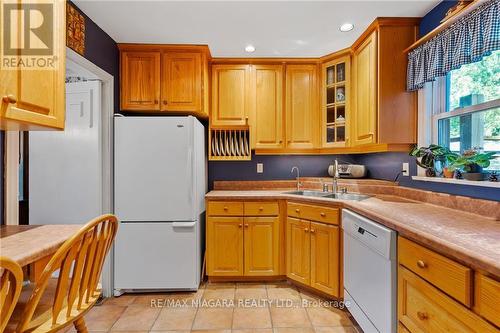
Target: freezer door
[(157, 256), (154, 169)]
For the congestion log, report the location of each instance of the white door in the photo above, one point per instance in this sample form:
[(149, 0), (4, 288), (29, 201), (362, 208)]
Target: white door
[(154, 169), (65, 167)]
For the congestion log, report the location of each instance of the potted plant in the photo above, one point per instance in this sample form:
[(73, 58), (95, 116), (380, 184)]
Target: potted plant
[(427, 157), (472, 163)]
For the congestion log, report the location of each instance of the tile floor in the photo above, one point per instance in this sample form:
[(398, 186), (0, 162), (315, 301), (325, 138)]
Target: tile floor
[(222, 308)]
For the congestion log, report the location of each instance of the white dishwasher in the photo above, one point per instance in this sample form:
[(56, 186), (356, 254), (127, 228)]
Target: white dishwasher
[(370, 273)]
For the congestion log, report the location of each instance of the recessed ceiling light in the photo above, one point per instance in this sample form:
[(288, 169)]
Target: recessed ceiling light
[(346, 27), (250, 48)]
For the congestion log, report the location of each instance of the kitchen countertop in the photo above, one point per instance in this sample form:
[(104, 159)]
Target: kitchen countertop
[(471, 239), (27, 244)]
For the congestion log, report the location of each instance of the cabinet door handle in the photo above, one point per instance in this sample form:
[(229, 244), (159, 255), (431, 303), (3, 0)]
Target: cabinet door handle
[(422, 315), (421, 264), (246, 225), (297, 210), (240, 225), (11, 99), (322, 214), (313, 231), (156, 101), (306, 229), (165, 102)]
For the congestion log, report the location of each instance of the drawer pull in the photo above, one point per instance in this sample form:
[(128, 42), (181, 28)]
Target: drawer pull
[(225, 208), (422, 315), (261, 208), (421, 264), (322, 214), (297, 210)]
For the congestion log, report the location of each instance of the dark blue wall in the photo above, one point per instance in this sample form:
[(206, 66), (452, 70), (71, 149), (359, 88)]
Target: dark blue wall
[(102, 50), (434, 17), (380, 165)]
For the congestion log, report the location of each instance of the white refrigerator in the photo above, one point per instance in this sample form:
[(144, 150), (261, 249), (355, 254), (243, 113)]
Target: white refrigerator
[(159, 189)]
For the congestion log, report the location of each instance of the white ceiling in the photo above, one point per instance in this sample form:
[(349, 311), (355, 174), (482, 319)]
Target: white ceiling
[(275, 28)]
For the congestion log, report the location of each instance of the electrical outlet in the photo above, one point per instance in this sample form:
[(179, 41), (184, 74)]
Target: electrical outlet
[(260, 167), (406, 169)]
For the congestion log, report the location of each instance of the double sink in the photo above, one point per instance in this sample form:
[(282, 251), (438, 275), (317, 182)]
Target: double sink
[(338, 196)]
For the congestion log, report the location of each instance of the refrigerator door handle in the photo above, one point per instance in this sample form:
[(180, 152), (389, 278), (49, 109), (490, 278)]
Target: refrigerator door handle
[(183, 224), (190, 165)]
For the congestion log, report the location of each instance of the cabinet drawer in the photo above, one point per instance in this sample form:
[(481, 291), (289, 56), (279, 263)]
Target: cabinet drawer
[(446, 274), (314, 213), (261, 209), (487, 299), (423, 308), (225, 208)]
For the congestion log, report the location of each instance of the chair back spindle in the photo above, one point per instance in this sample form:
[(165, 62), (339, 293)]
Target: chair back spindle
[(11, 282)]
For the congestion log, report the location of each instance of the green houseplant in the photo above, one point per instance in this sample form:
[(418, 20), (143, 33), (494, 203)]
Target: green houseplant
[(427, 157), (472, 161)]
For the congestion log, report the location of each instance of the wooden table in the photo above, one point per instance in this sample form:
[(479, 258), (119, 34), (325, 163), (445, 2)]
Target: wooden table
[(34, 245)]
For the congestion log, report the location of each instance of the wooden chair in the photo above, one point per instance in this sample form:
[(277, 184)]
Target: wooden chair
[(79, 262), (11, 282)]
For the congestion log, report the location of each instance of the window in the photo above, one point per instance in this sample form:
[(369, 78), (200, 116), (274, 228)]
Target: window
[(472, 117)]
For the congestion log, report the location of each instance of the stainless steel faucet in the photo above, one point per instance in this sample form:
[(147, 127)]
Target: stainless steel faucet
[(298, 176), (336, 177)]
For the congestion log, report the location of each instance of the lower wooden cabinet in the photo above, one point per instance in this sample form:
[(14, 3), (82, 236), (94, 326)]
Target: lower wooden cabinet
[(313, 252), (225, 246), (243, 245), (261, 243), (298, 249), (325, 266), (434, 294)]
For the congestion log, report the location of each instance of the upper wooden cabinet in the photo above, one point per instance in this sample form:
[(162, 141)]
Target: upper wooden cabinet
[(164, 78), (230, 94), (364, 120), (301, 106), (383, 111), (182, 81), (34, 99), (267, 106), (140, 81)]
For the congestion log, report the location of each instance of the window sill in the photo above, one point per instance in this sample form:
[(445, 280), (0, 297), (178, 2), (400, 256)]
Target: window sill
[(483, 183)]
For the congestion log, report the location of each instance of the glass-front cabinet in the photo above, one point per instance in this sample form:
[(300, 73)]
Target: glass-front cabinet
[(335, 102)]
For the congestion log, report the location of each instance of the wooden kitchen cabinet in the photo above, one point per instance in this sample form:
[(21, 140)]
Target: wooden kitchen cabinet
[(140, 80), (181, 81), (243, 238), (383, 111), (225, 246), (365, 98), (301, 106), (261, 239), (325, 265), (166, 79), (230, 94), (313, 247), (32, 99), (298, 250), (267, 106)]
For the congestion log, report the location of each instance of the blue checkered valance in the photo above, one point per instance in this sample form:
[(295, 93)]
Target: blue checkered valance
[(469, 39)]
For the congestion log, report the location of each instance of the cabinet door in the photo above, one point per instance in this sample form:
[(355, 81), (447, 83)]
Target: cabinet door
[(365, 92), (181, 81), (302, 122), (298, 248), (34, 99), (325, 258), (225, 246), (267, 106), (140, 81), (230, 94), (261, 238)]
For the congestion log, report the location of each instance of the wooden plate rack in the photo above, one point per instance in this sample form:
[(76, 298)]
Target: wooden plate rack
[(230, 144)]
